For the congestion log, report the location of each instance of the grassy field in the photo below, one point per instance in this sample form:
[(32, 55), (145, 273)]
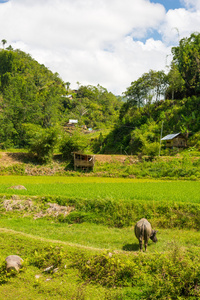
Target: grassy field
[(98, 251), (99, 236), (103, 188)]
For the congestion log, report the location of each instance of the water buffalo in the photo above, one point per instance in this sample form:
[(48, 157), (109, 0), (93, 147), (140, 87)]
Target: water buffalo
[(143, 231)]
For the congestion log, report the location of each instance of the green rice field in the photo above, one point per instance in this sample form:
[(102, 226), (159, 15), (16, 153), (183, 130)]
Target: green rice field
[(103, 188)]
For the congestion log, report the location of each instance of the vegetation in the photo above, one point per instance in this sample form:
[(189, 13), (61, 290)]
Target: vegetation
[(73, 142), (184, 167), (31, 94), (33, 99), (94, 189), (70, 249), (143, 115), (93, 106), (113, 202), (97, 274)]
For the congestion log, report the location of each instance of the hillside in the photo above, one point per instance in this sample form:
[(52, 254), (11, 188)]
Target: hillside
[(31, 94), (36, 106), (139, 129)]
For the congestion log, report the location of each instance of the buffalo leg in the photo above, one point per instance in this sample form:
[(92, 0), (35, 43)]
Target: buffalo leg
[(145, 245), (140, 241)]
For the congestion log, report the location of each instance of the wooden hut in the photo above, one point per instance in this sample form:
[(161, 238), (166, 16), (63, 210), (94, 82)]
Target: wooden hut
[(83, 161), (177, 140)]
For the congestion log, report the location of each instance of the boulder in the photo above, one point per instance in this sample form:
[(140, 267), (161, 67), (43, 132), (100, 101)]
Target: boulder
[(17, 187), (13, 262)]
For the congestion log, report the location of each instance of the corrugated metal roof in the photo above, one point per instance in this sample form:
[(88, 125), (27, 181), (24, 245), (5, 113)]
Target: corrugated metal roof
[(170, 136)]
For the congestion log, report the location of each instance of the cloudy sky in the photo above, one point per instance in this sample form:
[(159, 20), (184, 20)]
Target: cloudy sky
[(106, 42)]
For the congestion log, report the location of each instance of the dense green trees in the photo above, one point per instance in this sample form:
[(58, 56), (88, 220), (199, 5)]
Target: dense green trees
[(142, 114), (30, 93), (93, 106), (138, 131), (186, 57), (149, 87), (183, 79)]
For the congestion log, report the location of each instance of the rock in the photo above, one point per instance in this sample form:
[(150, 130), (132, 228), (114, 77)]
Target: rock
[(48, 269), (17, 187), (13, 262), (20, 205), (55, 270)]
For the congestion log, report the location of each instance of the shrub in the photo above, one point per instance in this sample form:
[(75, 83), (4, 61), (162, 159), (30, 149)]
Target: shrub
[(108, 270), (44, 143), (73, 143), (174, 275), (46, 257)]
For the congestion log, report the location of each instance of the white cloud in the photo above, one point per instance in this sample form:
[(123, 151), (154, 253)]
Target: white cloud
[(179, 23), (94, 41), (191, 4)]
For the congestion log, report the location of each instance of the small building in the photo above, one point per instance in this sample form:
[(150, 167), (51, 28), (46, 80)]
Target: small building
[(83, 161), (73, 122), (177, 140)]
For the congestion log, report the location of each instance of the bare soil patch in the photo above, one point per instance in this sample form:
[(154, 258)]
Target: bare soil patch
[(8, 159), (110, 158)]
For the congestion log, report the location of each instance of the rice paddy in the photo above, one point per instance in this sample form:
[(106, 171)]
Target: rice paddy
[(103, 188)]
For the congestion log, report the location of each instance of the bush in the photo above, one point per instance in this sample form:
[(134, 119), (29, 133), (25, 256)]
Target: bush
[(194, 141), (44, 143), (49, 256), (174, 275), (73, 143)]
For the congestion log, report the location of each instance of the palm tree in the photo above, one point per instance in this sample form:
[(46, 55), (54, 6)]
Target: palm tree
[(3, 42), (67, 85)]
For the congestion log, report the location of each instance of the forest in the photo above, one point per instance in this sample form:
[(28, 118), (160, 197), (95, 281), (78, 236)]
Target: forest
[(36, 106)]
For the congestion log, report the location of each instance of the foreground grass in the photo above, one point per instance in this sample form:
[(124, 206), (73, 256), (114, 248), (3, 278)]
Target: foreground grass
[(103, 188), (99, 260), (91, 273), (98, 236), (33, 283)]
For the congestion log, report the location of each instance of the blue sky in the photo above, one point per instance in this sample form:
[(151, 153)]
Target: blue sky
[(169, 4), (106, 42)]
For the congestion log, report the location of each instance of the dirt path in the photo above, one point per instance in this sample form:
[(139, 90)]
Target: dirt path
[(38, 238)]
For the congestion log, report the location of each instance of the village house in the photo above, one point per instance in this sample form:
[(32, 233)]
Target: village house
[(176, 140)]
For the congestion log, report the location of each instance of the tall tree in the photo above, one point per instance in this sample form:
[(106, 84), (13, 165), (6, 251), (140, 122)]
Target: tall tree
[(176, 83), (149, 87), (187, 58), (29, 93)]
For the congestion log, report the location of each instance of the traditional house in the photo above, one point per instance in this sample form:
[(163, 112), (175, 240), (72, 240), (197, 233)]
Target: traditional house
[(177, 140), (83, 161)]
